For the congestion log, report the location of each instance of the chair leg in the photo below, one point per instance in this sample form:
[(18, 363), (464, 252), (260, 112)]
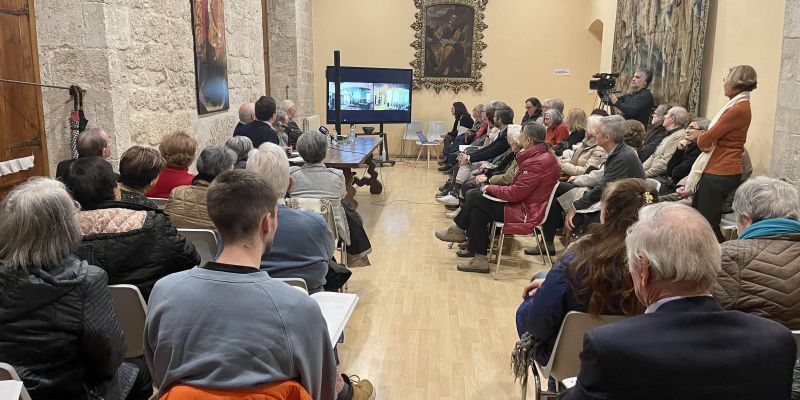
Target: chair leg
[(539, 240), (428, 161), (491, 241), (547, 251), (419, 153), (499, 255)]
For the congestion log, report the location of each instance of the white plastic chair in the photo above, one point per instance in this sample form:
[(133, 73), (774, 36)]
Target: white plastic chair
[(131, 311), (7, 373), (298, 283), (565, 359), (410, 135), (654, 183), (436, 129), (538, 233), (204, 240), (160, 203)]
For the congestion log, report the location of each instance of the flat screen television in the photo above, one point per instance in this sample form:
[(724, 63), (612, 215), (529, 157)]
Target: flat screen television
[(371, 95)]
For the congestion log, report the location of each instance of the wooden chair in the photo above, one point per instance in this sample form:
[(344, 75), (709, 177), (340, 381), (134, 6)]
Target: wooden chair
[(131, 311), (7, 373), (538, 233), (205, 241), (565, 359)]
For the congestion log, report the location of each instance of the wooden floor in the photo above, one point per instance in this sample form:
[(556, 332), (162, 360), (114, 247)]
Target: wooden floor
[(422, 329)]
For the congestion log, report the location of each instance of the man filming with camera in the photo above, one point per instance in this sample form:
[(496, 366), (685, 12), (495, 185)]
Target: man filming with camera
[(639, 104)]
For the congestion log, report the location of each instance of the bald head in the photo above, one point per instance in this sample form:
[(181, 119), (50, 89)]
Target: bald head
[(93, 142), (289, 108), (247, 112)]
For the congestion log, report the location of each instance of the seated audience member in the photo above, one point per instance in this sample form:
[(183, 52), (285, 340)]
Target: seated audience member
[(621, 162), (178, 150), (576, 125), (133, 244), (588, 154), (549, 104), (634, 134), (303, 244), (315, 180), (685, 154), (186, 205), (590, 277), (90, 143), (247, 114), (656, 134), (251, 334), (479, 128), (280, 127), (241, 145), (462, 123), (139, 168), (59, 330), (556, 130), (260, 130), (523, 206), (600, 112), (675, 121), (293, 131), (533, 110), (685, 346)]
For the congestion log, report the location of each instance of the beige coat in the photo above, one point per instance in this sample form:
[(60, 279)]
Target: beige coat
[(186, 206), (587, 154), (656, 165)]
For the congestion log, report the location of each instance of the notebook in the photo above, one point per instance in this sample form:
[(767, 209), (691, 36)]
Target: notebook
[(337, 309)]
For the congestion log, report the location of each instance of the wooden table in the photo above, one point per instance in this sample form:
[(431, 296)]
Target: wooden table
[(349, 155)]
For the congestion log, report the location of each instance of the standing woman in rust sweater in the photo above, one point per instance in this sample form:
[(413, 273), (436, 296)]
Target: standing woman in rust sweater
[(718, 171)]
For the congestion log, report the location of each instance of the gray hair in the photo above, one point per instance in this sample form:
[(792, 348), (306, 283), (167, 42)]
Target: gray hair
[(91, 143), (593, 123), (514, 134), (270, 161), (493, 105), (678, 243), (556, 117), (680, 116), (557, 104), (312, 147), (286, 105), (661, 110), (613, 126), (37, 225), (214, 160), (535, 131), (241, 145), (281, 118), (247, 112), (702, 123), (763, 198)]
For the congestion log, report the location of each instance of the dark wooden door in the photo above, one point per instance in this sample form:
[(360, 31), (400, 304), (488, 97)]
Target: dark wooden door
[(21, 117)]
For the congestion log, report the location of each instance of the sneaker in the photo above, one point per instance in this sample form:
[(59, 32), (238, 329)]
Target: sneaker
[(536, 251), (361, 389), (452, 234), (446, 186), (448, 200), (452, 214), (479, 264), (443, 193)]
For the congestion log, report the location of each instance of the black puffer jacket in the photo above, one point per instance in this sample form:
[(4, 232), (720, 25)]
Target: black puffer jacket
[(136, 253), (59, 330)]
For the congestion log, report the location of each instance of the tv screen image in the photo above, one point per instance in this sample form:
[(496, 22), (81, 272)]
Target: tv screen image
[(371, 95)]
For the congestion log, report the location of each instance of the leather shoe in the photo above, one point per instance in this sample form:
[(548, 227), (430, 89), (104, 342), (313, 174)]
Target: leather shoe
[(465, 253), (445, 167), (536, 251), (479, 265)]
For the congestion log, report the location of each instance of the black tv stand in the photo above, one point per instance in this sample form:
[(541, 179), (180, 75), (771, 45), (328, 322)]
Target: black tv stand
[(384, 154)]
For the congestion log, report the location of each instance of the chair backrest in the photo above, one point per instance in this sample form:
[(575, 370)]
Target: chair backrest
[(161, 203), (797, 341), (204, 240), (436, 129), (565, 360), (131, 311), (299, 283), (412, 129), (311, 123), (321, 206), (7, 373), (550, 202)]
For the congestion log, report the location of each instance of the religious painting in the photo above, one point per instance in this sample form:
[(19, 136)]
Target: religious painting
[(666, 37), (210, 56), (448, 44)]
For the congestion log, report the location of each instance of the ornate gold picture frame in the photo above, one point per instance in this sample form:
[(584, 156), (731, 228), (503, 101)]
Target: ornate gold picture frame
[(448, 44)]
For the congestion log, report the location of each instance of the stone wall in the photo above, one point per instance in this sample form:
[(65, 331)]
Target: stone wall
[(786, 142), (135, 59), (291, 53)]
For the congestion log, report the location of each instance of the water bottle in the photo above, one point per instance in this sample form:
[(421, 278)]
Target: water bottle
[(352, 132)]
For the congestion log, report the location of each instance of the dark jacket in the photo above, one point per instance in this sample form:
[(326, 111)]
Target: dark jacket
[(681, 162), (688, 349), (622, 162), (140, 255), (259, 132), (637, 105), (464, 120), (237, 131), (59, 330), (494, 149), (294, 132), (62, 169), (574, 138), (651, 142)]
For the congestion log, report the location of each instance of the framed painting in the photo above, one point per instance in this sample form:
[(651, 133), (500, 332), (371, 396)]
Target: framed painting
[(668, 38), (448, 44), (210, 56)]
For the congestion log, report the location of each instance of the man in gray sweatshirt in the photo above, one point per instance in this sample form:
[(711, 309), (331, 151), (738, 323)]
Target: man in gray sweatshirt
[(227, 324)]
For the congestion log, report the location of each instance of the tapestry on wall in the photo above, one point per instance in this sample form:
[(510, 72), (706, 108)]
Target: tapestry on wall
[(210, 56), (448, 44), (666, 37)]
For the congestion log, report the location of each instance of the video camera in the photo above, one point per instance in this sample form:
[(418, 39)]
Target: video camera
[(604, 84)]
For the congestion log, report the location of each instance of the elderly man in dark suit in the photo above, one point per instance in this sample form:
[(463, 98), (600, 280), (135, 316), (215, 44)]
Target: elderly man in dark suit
[(260, 131), (685, 346)]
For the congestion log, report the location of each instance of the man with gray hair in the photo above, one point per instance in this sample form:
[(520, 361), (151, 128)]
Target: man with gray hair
[(621, 162), (636, 105), (685, 346), (247, 114), (93, 142), (292, 130), (675, 121)]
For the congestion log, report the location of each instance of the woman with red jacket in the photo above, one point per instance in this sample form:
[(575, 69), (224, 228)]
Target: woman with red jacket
[(556, 130), (522, 204)]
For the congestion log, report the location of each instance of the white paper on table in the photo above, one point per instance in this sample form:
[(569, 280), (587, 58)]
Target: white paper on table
[(10, 390), (337, 309)]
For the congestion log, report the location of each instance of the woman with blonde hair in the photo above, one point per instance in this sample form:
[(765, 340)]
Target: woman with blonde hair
[(588, 154), (576, 125)]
